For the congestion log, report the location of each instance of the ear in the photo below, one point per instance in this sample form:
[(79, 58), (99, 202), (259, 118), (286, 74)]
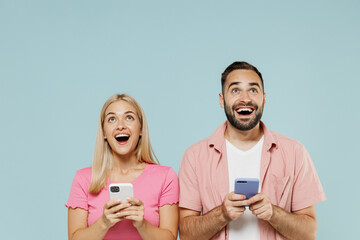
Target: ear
[(104, 134), (264, 99), (221, 100)]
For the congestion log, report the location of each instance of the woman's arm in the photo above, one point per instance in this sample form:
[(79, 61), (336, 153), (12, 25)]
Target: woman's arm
[(77, 221), (168, 227)]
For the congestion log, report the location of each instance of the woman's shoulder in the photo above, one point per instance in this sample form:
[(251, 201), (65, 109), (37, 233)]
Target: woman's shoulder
[(84, 173), (160, 170)]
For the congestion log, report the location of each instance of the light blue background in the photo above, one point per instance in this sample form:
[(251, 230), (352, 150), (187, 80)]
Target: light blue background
[(60, 60)]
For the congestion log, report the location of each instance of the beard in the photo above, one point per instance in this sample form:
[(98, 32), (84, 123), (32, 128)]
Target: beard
[(242, 124)]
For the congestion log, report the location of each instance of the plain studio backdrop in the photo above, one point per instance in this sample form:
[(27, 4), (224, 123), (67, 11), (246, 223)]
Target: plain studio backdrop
[(60, 61)]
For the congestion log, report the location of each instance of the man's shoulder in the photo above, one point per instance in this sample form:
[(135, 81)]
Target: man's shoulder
[(201, 149), (215, 140), (285, 141), (204, 143)]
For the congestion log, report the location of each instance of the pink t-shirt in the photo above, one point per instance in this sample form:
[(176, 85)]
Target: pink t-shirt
[(155, 187)]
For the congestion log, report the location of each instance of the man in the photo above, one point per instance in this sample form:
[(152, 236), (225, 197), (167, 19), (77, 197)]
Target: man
[(244, 147)]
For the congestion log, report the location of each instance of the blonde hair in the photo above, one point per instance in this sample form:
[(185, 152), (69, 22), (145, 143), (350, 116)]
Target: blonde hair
[(103, 161)]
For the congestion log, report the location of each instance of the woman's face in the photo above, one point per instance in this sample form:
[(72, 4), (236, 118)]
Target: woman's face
[(122, 128)]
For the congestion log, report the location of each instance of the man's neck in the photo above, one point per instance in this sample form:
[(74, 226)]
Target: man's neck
[(243, 140)]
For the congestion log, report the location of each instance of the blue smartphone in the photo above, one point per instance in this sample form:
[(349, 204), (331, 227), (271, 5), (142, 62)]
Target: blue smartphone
[(247, 186)]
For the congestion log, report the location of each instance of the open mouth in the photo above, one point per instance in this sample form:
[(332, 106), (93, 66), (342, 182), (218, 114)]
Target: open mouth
[(122, 138), (245, 111)]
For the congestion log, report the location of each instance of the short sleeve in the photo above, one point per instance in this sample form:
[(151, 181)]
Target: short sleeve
[(189, 190), (78, 197), (307, 187), (170, 189)]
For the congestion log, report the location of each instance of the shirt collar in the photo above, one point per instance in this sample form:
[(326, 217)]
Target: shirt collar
[(217, 139)]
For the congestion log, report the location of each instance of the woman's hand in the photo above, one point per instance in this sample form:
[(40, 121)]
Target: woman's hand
[(135, 212), (112, 212)]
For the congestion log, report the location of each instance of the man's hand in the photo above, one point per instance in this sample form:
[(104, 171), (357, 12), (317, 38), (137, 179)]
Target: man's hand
[(196, 226), (233, 206), (261, 206)]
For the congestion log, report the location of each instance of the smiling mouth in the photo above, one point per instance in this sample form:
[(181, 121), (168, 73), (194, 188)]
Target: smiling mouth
[(244, 111), (122, 138)]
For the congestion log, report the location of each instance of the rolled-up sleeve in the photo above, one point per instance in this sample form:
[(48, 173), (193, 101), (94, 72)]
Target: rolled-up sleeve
[(189, 187), (307, 188)]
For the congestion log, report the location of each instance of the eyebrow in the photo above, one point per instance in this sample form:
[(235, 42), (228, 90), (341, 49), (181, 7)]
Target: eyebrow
[(115, 113), (251, 84)]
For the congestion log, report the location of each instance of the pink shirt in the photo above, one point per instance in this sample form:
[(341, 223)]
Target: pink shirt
[(287, 176), (155, 187)]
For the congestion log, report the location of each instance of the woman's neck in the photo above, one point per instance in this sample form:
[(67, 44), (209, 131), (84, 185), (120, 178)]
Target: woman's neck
[(126, 169), (125, 162)]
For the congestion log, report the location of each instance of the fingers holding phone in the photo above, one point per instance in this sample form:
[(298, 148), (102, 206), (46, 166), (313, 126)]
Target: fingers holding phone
[(261, 206), (132, 208), (111, 209), (235, 202), (135, 212), (233, 206)]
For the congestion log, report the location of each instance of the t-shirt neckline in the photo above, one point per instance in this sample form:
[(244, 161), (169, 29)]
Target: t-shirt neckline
[(254, 148), (139, 177)]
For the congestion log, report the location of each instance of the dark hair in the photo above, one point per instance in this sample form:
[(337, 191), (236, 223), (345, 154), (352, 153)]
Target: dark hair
[(239, 66)]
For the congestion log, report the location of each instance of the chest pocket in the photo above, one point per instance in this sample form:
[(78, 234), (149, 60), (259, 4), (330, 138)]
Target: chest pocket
[(283, 190)]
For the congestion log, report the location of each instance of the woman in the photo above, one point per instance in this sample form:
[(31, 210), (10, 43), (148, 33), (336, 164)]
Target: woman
[(123, 154)]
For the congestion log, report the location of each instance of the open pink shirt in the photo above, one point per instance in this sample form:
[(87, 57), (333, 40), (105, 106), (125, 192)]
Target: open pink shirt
[(155, 187), (287, 176)]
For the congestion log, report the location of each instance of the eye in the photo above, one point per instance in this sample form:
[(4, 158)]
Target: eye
[(129, 117), (235, 90), (253, 90), (111, 119)]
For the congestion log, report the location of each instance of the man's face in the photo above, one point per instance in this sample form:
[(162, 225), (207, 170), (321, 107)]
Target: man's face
[(243, 99)]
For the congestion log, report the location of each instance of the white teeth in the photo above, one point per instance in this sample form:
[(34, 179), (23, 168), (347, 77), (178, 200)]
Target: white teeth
[(244, 109), (122, 135)]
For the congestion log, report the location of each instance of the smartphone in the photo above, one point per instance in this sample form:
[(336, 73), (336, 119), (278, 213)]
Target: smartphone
[(247, 186), (121, 191)]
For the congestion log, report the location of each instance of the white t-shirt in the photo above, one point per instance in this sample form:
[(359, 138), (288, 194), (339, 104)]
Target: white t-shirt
[(244, 164)]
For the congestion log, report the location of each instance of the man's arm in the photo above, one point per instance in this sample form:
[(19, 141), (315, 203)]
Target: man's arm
[(194, 226), (296, 225)]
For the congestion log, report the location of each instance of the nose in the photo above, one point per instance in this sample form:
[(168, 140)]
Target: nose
[(244, 97), (121, 124)]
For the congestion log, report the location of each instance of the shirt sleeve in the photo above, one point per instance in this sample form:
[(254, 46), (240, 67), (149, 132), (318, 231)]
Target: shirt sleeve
[(307, 187), (189, 188), (170, 189), (78, 197)]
